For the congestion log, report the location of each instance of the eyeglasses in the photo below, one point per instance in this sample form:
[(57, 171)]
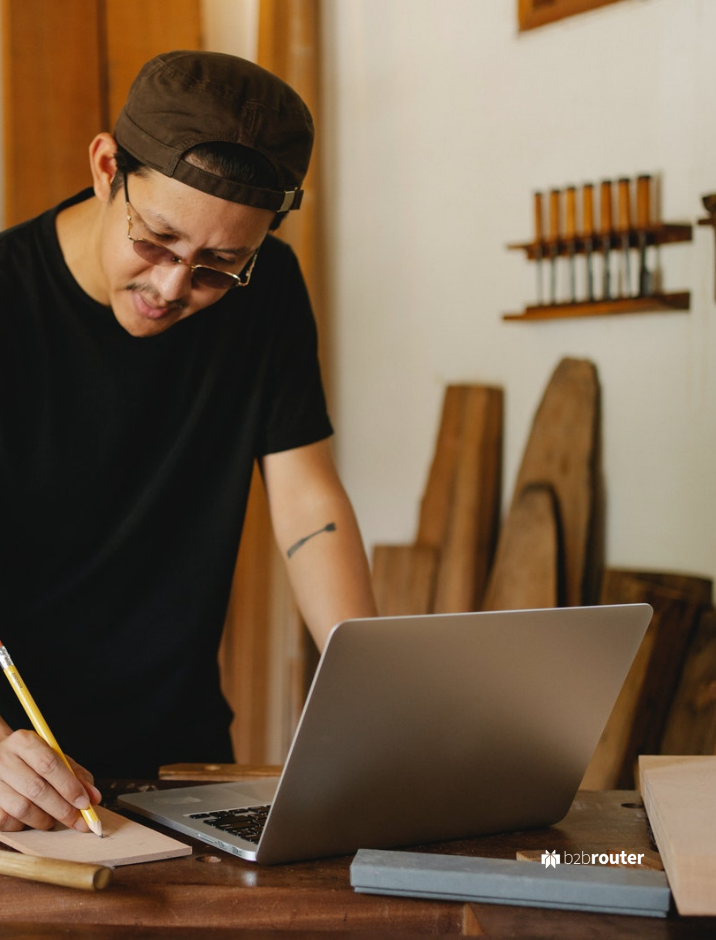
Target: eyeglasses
[(202, 275)]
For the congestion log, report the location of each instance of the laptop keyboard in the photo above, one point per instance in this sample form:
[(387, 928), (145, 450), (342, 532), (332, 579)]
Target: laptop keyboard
[(246, 822)]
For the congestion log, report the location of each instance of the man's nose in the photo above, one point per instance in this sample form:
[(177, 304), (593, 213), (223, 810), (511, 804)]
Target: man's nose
[(172, 281)]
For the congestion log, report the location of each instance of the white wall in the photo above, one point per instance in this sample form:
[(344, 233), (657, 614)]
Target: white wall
[(440, 122)]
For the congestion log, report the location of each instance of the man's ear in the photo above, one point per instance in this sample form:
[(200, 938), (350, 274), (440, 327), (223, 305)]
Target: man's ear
[(102, 164)]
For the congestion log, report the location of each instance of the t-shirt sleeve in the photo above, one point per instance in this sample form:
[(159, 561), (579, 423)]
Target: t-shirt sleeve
[(294, 412)]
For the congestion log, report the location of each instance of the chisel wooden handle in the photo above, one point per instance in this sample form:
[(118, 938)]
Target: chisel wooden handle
[(623, 206), (605, 207), (570, 221), (643, 202), (539, 225), (55, 871), (554, 211), (588, 210)]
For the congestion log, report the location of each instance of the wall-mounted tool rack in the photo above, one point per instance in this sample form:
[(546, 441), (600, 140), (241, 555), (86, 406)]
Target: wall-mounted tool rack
[(709, 202), (605, 249)]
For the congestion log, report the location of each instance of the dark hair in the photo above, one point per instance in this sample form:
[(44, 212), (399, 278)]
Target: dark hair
[(231, 161)]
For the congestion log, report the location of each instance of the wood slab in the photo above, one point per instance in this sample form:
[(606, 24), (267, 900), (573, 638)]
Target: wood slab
[(562, 451), (690, 726), (525, 571), (404, 579), (218, 772), (125, 842), (679, 795), (460, 510), (636, 724)]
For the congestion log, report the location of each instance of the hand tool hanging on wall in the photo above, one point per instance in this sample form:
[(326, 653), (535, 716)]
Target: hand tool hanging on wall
[(588, 234), (570, 234), (643, 220), (554, 229), (539, 245), (624, 227), (605, 230)]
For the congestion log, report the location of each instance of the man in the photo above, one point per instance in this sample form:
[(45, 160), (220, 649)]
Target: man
[(155, 341)]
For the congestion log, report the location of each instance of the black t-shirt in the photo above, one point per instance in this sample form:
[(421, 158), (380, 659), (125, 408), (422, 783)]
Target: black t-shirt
[(125, 466)]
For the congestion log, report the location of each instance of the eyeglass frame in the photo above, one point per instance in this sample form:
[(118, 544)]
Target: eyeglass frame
[(171, 258)]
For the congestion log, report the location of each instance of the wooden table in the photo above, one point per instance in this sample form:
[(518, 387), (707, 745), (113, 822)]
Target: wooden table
[(211, 896)]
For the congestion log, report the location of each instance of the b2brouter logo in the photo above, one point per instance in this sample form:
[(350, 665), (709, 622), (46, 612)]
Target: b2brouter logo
[(552, 859)]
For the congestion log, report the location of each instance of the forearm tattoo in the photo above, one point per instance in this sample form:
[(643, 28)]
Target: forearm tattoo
[(331, 527)]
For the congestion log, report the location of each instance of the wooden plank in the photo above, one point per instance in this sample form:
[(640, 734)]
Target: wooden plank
[(680, 799), (404, 578), (460, 511), (690, 727), (525, 572), (636, 723), (125, 842), (216, 773), (435, 507), (51, 101), (561, 451), (469, 544)]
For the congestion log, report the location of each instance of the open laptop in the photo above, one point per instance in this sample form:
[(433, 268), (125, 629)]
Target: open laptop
[(425, 729)]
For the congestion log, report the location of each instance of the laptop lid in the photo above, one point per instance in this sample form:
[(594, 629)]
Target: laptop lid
[(431, 728)]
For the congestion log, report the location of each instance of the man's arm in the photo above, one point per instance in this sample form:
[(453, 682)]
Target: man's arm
[(318, 536)]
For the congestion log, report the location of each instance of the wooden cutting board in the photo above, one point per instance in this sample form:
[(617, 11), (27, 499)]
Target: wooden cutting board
[(561, 451), (680, 799), (525, 571)]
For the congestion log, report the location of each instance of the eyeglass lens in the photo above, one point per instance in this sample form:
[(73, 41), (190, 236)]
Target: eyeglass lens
[(207, 277)]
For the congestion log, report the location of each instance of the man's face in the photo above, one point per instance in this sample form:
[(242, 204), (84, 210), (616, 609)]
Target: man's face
[(198, 228)]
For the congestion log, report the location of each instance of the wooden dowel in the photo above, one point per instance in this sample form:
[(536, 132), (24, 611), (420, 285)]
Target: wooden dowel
[(55, 871)]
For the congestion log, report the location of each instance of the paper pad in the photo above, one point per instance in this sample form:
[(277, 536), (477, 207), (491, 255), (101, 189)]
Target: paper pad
[(124, 843)]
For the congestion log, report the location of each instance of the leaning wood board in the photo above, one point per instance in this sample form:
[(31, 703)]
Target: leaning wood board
[(459, 514), (124, 843), (561, 451), (525, 571), (679, 795), (636, 723)]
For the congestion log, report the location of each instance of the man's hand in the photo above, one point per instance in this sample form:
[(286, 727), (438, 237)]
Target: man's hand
[(36, 788)]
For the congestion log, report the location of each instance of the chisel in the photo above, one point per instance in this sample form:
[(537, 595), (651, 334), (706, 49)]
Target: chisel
[(624, 227), (570, 234), (605, 231), (643, 221), (588, 234), (554, 229), (539, 245)]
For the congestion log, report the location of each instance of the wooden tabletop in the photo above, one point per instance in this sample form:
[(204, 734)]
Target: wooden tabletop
[(211, 895)]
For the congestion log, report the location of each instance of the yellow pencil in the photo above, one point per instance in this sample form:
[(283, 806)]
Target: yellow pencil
[(41, 727)]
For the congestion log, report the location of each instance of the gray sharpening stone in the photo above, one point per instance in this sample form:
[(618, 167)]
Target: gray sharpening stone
[(502, 881)]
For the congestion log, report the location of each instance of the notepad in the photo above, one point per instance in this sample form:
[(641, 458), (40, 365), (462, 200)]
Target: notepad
[(125, 842)]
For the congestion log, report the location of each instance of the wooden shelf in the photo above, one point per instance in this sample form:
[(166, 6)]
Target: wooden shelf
[(665, 234), (654, 303)]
